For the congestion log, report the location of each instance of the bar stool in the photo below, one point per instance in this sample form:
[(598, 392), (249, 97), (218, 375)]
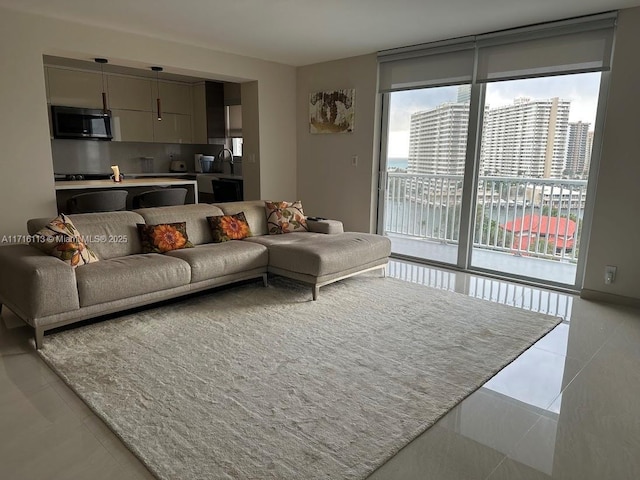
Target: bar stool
[(160, 198), (102, 201)]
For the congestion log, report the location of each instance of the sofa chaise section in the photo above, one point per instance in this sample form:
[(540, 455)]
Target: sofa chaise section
[(321, 256)]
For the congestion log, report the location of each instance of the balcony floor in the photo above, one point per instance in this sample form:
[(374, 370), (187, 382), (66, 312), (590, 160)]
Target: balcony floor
[(501, 262)]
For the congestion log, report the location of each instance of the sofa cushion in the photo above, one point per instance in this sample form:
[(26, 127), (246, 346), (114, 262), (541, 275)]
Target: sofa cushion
[(285, 217), (108, 234), (129, 276), (229, 227), (194, 215), (163, 237), (318, 254), (291, 238), (61, 239), (325, 226), (219, 259), (253, 211)]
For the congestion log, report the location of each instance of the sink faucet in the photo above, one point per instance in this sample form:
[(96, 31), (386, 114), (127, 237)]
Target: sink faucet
[(221, 157)]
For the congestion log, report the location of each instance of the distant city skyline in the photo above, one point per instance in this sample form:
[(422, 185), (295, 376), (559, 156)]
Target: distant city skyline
[(581, 89), (528, 138)]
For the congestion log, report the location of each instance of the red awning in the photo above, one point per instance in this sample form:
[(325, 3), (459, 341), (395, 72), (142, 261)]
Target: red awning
[(542, 225)]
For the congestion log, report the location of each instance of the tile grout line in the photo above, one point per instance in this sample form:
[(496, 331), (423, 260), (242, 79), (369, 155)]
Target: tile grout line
[(504, 458)]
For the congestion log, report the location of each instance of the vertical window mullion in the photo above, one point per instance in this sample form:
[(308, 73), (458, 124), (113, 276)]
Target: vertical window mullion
[(471, 172)]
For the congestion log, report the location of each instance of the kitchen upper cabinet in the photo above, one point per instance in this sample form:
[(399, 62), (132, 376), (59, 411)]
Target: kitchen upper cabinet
[(173, 128), (132, 101), (129, 93), (174, 97), (208, 111), (199, 113), (73, 88), (132, 125)]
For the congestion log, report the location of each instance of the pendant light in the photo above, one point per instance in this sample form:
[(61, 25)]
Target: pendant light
[(158, 70), (105, 109)]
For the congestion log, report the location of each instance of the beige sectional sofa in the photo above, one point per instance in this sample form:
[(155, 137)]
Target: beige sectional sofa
[(48, 293)]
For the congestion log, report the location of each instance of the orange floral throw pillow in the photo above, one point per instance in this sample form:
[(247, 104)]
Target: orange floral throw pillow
[(61, 239), (163, 237), (285, 217), (229, 227)]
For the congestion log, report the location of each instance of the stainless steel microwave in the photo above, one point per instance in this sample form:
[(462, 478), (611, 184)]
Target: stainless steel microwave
[(80, 123)]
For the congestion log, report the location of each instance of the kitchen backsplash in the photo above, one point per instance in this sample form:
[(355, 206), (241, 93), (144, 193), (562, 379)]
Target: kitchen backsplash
[(91, 156)]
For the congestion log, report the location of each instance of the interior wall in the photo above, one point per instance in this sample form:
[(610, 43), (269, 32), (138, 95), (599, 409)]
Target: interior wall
[(26, 182), (329, 185), (24, 131), (615, 235), (250, 138)]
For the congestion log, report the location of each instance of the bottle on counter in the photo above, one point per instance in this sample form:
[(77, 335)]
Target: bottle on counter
[(117, 176)]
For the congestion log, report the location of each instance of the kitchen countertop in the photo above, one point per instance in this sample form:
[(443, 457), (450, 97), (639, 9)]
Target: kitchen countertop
[(129, 182), (181, 175), (163, 174)]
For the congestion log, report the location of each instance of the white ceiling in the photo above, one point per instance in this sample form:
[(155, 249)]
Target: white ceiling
[(302, 32)]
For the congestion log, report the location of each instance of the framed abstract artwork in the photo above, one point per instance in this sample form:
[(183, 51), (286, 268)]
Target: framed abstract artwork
[(332, 111)]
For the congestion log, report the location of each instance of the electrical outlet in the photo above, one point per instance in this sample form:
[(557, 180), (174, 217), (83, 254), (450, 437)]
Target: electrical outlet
[(609, 274), (354, 161)]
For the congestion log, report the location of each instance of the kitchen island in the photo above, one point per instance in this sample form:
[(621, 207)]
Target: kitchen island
[(67, 189)]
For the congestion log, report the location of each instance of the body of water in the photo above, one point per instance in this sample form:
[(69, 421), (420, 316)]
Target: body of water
[(394, 163)]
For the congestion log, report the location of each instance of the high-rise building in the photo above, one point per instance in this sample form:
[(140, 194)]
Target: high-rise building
[(464, 94), (438, 140), (527, 138), (577, 148), (587, 156)]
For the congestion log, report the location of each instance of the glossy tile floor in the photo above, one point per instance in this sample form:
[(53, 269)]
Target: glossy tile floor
[(567, 408)]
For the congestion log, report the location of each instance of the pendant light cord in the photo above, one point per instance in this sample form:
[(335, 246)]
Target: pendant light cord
[(158, 103), (105, 108)]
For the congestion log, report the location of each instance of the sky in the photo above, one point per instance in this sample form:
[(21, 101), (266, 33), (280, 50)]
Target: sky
[(582, 89)]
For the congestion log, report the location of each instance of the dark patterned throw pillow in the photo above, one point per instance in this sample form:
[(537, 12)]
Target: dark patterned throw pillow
[(163, 237), (229, 227)]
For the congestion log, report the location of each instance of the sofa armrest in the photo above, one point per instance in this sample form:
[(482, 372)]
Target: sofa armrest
[(325, 226), (34, 284)]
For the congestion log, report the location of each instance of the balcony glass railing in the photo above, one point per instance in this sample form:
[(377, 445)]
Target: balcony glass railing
[(540, 218)]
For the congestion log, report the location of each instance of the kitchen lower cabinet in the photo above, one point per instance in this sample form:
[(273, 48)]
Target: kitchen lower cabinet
[(205, 185), (132, 125), (173, 128)]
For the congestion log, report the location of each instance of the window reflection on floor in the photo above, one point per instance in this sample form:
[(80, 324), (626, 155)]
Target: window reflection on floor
[(513, 294)]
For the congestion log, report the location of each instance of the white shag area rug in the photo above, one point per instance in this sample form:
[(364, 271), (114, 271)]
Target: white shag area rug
[(263, 383)]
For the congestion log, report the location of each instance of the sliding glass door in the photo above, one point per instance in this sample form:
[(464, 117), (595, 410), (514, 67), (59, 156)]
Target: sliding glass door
[(488, 147), (427, 138), (535, 160)]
